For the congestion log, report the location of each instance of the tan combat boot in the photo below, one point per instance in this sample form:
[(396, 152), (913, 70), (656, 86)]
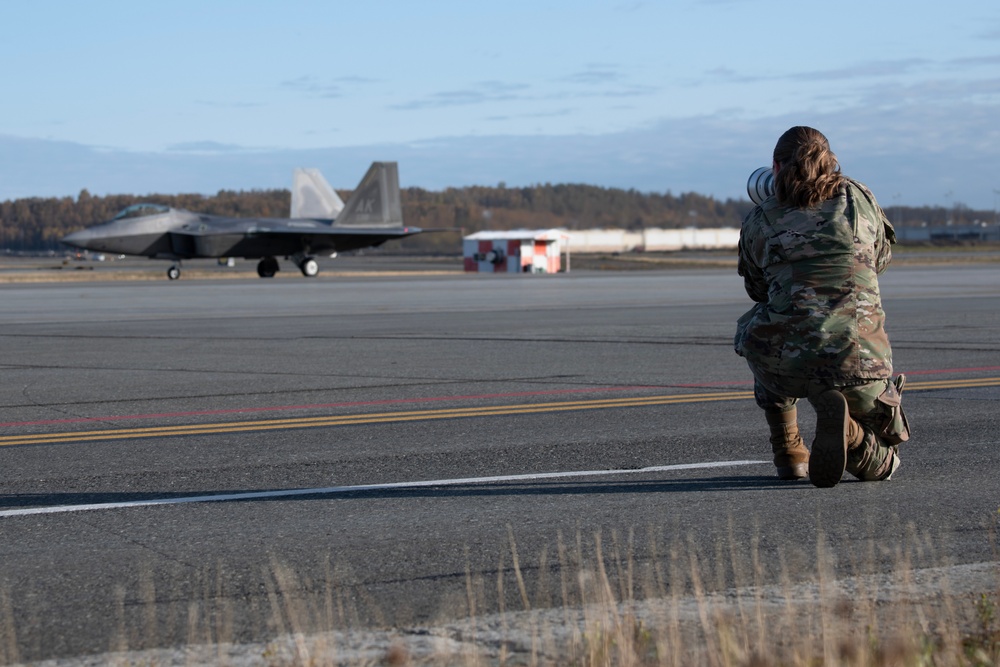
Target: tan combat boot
[(791, 458), (874, 459), (836, 432), (872, 462)]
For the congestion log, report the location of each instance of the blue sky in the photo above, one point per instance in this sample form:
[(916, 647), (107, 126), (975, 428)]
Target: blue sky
[(183, 96)]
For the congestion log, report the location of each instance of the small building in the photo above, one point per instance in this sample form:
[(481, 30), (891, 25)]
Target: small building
[(653, 239), (517, 251)]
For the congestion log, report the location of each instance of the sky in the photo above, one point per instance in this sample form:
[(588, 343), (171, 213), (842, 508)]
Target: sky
[(119, 96)]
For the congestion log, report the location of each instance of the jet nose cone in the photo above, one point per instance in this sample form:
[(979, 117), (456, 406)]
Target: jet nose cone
[(78, 239)]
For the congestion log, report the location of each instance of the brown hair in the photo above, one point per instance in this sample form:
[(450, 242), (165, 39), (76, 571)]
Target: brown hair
[(808, 172)]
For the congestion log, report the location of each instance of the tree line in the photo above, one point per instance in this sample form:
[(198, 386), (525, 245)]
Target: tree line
[(37, 224)]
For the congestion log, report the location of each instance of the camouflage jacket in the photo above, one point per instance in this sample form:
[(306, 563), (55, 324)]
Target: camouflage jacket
[(814, 275)]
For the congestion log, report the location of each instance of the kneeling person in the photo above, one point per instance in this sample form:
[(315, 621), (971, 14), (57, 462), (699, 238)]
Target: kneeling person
[(810, 256)]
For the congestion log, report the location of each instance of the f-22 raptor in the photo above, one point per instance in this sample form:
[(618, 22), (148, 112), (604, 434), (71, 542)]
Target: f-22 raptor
[(320, 223)]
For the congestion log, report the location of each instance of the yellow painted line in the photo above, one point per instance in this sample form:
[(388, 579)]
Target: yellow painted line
[(423, 415), (364, 418), (952, 384)]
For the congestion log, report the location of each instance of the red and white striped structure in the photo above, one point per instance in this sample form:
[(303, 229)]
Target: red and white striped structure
[(517, 251)]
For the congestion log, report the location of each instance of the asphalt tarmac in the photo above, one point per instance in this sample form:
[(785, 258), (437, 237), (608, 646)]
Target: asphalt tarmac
[(204, 461)]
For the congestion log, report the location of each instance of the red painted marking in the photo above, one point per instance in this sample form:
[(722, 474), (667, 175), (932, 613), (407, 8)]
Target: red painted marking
[(433, 399), (317, 406), (953, 370)]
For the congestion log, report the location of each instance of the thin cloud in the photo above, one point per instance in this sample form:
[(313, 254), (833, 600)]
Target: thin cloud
[(487, 92), (310, 86), (990, 35), (932, 92), (595, 75), (229, 105), (729, 75), (329, 89), (866, 70), (473, 97), (861, 70), (205, 147), (982, 60), (635, 90), (600, 80), (555, 113), (447, 98)]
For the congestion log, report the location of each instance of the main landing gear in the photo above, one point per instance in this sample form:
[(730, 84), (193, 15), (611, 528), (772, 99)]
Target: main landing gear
[(267, 267), (309, 267)]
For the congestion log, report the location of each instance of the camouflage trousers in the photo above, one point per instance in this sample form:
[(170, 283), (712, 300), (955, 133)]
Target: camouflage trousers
[(874, 404)]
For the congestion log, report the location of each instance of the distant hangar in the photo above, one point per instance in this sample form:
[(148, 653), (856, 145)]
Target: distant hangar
[(541, 250)]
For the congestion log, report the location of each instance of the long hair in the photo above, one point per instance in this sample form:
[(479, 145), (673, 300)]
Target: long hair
[(808, 172)]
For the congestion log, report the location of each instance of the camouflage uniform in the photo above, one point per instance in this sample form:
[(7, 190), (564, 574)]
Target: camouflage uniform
[(818, 322)]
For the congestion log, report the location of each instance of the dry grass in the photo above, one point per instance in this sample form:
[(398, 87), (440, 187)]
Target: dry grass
[(593, 603)]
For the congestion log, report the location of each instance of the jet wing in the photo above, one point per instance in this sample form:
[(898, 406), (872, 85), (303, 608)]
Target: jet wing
[(277, 237)]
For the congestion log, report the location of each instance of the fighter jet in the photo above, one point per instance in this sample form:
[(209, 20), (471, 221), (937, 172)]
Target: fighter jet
[(320, 223)]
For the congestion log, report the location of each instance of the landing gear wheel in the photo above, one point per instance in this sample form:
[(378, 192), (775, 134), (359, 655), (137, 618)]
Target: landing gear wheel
[(309, 267), (267, 267), (173, 273)]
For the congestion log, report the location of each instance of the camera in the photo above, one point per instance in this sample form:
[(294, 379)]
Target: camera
[(760, 186)]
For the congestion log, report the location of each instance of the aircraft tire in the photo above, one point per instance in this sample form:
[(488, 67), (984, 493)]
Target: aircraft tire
[(309, 267), (173, 273), (267, 267)]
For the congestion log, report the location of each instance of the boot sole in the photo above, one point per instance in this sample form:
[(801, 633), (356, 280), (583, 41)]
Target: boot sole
[(828, 458)]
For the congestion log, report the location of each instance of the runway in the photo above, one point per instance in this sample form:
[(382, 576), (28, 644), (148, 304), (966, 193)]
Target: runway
[(407, 447)]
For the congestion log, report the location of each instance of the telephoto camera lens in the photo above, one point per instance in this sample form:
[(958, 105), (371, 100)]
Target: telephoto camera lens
[(760, 186)]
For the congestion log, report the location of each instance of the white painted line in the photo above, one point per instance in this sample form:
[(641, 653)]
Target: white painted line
[(331, 490)]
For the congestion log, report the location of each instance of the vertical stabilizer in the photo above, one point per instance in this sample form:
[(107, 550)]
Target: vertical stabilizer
[(312, 196), (375, 202)]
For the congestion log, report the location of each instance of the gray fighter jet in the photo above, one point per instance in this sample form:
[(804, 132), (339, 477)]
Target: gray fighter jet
[(320, 223)]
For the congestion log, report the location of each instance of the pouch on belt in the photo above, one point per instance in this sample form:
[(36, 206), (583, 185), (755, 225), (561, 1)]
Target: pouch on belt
[(894, 427)]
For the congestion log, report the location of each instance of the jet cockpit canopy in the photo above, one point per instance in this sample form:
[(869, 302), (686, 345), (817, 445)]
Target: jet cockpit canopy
[(140, 210)]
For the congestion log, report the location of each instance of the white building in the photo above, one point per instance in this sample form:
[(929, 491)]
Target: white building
[(653, 239)]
